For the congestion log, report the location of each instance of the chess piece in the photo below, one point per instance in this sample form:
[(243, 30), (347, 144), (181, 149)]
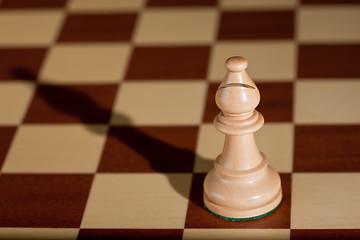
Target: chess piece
[(241, 185)]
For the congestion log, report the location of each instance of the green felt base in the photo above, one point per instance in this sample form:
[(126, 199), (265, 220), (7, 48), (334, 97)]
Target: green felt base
[(243, 219)]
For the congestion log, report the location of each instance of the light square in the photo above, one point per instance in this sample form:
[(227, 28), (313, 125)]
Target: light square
[(179, 26), (267, 61), (85, 63), (160, 103), (257, 4), (14, 100), (333, 102), (229, 234), (141, 201), (88, 6), (329, 24), (39, 233), (29, 28), (275, 140), (325, 201), (56, 149)]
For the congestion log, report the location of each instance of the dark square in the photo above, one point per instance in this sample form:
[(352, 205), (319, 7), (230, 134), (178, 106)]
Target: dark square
[(73, 103), (168, 63), (182, 3), (133, 234), (324, 234), (326, 2), (32, 3), (49, 201), (149, 149), (14, 60), (327, 148), (6, 136), (276, 102), (329, 61), (257, 25), (199, 217), (98, 27)]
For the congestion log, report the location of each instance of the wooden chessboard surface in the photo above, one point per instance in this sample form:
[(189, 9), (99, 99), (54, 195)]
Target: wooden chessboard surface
[(106, 111)]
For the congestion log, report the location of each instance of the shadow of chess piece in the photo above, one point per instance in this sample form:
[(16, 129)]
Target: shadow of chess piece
[(241, 185)]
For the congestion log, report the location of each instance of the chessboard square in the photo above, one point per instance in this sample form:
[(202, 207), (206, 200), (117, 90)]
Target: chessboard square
[(313, 198), (329, 24), (342, 61), (98, 27), (230, 5), (18, 94), (56, 149), (209, 145), (137, 149), (182, 3), (157, 103), (16, 61), (105, 5), (141, 201), (39, 233), (25, 4), (318, 103), (6, 137), (232, 234), (85, 63), (28, 200), (181, 26), (159, 234), (198, 217), (189, 63), (268, 61), (308, 234), (256, 25), (24, 28), (327, 148), (275, 140), (71, 104)]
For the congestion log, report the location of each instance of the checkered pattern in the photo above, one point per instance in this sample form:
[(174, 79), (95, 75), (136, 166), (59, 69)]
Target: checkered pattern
[(106, 111)]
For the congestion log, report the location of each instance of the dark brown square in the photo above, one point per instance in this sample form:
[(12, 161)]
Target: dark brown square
[(133, 234), (199, 217), (324, 234), (6, 136), (71, 104), (257, 25), (329, 61), (149, 149), (327, 148), (14, 60), (329, 2), (98, 27), (32, 3), (168, 63), (49, 201), (182, 3), (276, 104)]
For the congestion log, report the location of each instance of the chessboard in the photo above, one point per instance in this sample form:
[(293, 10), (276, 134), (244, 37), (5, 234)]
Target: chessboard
[(106, 111)]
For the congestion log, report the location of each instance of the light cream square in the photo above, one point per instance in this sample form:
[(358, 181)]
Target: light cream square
[(325, 201), (267, 60), (177, 26), (97, 6), (275, 140), (85, 63), (39, 233), (14, 99), (329, 24), (160, 103), (29, 28), (327, 102), (257, 4), (235, 234), (150, 200), (56, 149)]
